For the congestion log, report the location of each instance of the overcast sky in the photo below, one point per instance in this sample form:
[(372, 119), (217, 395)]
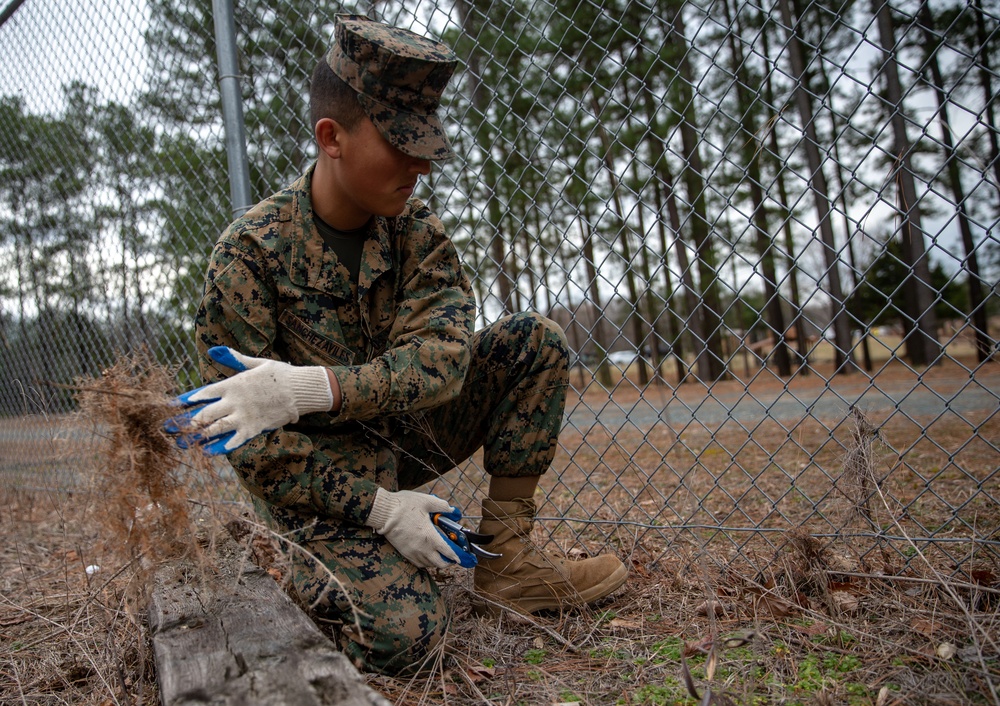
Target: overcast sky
[(49, 43)]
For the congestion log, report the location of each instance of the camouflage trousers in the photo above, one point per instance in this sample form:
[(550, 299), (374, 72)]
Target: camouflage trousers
[(391, 615)]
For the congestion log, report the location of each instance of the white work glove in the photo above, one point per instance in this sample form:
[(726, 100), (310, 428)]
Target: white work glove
[(262, 396), (404, 518)]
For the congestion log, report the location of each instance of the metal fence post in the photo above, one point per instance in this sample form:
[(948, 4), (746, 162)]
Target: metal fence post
[(232, 106)]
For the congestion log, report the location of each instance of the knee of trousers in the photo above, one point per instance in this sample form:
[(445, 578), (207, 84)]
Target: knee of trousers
[(537, 336), (402, 643), (390, 621)]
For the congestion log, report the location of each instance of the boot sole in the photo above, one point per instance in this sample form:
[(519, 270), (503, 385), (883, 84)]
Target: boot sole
[(495, 605)]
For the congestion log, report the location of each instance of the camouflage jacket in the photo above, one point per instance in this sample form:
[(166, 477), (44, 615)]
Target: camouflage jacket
[(398, 341)]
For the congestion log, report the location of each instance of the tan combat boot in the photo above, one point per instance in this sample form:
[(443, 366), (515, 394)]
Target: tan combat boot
[(528, 580)]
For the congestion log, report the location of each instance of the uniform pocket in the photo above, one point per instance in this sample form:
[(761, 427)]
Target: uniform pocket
[(241, 290)]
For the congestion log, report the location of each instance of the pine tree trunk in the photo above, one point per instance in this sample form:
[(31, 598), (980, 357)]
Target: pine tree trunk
[(710, 358), (638, 329), (763, 241), (986, 81), (785, 216), (922, 346), (984, 344), (843, 356)]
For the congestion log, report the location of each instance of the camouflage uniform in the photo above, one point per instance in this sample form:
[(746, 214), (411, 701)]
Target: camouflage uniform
[(421, 393)]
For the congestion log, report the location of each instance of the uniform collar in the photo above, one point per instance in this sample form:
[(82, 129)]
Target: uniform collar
[(316, 266)]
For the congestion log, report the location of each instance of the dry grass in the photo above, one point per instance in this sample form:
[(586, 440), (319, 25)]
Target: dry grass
[(802, 629), (139, 472), (67, 635), (799, 613), (77, 566)]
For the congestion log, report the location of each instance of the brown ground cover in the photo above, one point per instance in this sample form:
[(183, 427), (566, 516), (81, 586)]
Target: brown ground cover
[(810, 626), (816, 607)]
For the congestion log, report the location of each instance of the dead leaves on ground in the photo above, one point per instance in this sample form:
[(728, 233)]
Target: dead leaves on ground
[(473, 674)]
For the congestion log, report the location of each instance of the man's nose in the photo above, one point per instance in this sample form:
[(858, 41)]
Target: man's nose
[(421, 166)]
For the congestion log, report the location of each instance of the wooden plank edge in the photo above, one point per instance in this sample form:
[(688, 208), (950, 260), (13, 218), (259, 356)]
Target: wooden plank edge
[(231, 635)]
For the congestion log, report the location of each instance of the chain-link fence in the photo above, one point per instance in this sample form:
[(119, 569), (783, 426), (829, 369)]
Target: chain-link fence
[(768, 230)]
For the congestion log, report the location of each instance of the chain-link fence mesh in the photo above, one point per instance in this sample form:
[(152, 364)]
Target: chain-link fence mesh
[(768, 230)]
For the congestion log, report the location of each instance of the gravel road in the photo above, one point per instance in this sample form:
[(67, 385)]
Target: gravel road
[(974, 400)]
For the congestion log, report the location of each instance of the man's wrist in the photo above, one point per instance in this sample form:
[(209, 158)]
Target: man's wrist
[(338, 398), (383, 507), (310, 389)]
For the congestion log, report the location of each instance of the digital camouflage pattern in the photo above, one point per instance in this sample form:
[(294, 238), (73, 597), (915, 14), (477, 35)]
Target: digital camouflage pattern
[(399, 77), (397, 341), (421, 394)]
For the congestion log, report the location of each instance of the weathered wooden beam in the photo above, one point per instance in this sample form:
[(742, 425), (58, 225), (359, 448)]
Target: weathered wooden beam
[(237, 638)]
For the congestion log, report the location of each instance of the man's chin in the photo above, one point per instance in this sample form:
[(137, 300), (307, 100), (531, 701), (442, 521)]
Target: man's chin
[(392, 211)]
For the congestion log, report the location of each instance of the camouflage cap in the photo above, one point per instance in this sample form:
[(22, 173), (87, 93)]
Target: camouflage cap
[(399, 77)]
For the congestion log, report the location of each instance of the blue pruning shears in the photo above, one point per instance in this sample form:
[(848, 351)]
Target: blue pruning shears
[(465, 542)]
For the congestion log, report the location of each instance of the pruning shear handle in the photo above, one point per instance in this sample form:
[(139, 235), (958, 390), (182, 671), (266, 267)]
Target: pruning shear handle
[(464, 539)]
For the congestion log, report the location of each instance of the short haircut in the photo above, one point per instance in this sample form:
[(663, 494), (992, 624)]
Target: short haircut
[(331, 97)]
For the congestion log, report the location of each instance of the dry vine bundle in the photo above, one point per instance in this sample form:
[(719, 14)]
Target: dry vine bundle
[(140, 476)]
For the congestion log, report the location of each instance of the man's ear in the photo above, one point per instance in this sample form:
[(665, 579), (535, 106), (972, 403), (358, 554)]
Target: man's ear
[(328, 136)]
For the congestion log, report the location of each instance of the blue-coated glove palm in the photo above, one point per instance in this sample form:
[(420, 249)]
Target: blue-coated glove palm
[(262, 396), (184, 426)]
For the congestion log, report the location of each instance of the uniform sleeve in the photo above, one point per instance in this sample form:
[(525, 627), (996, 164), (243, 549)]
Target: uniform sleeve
[(428, 350), (284, 468)]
